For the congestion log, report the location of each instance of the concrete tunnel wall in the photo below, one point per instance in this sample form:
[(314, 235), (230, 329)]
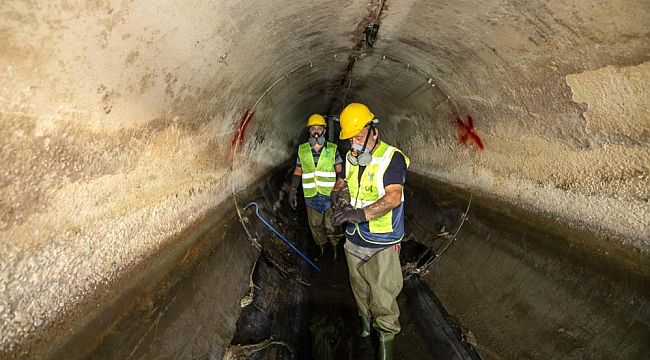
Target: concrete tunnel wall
[(118, 119)]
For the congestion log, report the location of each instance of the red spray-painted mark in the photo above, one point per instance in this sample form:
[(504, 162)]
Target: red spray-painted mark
[(238, 137), (467, 131)]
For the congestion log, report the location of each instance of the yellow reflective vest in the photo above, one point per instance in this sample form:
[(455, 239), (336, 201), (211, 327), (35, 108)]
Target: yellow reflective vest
[(389, 228), (317, 179)]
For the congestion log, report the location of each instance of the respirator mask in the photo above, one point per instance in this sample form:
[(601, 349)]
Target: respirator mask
[(358, 154), (316, 137)]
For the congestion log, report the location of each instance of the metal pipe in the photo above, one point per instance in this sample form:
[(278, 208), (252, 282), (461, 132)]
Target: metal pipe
[(257, 212)]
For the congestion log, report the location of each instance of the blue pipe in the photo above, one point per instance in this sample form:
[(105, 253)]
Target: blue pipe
[(257, 212)]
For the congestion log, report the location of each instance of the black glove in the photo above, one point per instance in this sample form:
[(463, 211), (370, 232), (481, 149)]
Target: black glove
[(334, 197), (341, 198), (292, 191), (348, 214), (293, 199)]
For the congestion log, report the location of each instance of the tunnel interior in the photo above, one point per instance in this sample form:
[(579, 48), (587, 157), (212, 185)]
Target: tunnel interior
[(133, 134)]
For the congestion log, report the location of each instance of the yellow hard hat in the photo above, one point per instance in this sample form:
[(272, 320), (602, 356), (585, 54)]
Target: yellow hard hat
[(316, 119), (353, 119)]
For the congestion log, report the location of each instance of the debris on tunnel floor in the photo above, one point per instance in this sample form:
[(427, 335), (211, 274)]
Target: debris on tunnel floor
[(273, 314), (433, 226), (282, 237), (327, 337), (242, 352)]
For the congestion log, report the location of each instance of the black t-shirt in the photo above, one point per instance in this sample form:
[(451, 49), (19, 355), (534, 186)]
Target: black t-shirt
[(396, 171)]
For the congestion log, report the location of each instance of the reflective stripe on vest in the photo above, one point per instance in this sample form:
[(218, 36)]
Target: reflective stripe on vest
[(386, 229), (317, 178)]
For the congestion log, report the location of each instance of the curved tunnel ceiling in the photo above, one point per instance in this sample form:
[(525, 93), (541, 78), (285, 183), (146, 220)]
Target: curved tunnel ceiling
[(118, 119)]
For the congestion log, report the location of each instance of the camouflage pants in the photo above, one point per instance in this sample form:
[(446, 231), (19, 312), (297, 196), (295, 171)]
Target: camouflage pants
[(322, 229)]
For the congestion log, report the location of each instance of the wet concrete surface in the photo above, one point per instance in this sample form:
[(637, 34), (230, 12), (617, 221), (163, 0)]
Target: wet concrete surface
[(191, 316), (531, 292)]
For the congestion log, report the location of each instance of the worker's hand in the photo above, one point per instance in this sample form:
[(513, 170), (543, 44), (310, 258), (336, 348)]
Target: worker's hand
[(286, 187), (293, 198), (341, 216), (292, 190), (341, 198)]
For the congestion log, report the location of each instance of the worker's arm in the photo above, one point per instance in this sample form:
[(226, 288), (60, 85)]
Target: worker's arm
[(296, 178), (340, 188), (338, 185), (339, 170), (381, 207), (340, 175), (391, 200)]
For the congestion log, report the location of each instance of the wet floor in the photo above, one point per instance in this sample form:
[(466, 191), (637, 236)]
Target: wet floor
[(331, 324), (331, 303), (526, 287)]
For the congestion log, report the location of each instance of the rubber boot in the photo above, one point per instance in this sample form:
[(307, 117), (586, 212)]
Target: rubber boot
[(322, 249), (335, 252), (386, 350), (365, 326)]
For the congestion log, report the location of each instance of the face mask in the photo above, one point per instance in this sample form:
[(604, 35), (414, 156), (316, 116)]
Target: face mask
[(363, 157), (319, 140)]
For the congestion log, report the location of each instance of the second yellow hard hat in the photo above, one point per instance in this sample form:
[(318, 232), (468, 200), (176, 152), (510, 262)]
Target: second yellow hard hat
[(316, 119)]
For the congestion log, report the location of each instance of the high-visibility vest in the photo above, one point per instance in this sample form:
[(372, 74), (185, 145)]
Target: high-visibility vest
[(317, 179), (389, 228)]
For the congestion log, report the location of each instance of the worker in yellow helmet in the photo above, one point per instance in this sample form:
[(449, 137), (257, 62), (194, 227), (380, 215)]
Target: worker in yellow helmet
[(371, 201), (317, 167)]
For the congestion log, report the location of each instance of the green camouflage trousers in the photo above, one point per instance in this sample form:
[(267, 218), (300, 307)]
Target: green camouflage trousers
[(322, 229), (375, 285)]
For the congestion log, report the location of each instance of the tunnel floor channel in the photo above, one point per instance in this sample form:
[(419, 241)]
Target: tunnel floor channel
[(298, 313)]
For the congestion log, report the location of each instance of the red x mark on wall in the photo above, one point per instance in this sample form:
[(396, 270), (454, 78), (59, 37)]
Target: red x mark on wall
[(466, 131)]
